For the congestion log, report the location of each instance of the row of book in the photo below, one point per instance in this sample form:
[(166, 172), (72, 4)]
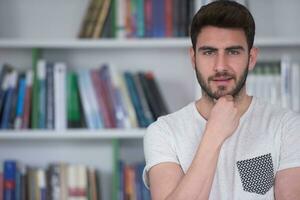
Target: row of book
[(59, 181), (138, 18), (56, 98), (131, 186), (276, 82)]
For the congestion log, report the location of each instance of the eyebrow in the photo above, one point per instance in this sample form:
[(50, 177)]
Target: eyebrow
[(205, 48)]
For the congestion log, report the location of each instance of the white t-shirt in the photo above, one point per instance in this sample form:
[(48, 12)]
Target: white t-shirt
[(267, 140)]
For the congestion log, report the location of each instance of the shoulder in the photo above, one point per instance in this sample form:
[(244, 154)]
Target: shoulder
[(275, 115), (176, 119), (271, 111)]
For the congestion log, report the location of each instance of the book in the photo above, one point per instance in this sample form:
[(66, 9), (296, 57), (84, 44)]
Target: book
[(49, 95), (121, 16), (110, 23), (153, 85), (108, 93), (121, 113), (101, 16), (152, 102), (130, 84), (148, 18), (89, 20), (9, 100), (4, 74), (41, 76), (12, 112), (60, 109), (140, 23), (95, 110), (35, 90), (10, 170), (27, 100), (1, 182), (158, 18), (145, 106), (41, 183), (73, 99), (100, 97), (127, 102), (20, 101), (86, 105)]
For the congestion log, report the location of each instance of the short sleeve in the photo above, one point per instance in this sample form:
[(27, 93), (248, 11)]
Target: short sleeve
[(290, 142), (159, 147)]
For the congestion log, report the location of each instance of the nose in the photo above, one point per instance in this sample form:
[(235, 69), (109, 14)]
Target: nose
[(220, 62)]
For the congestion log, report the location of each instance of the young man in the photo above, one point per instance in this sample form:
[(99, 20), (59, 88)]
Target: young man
[(227, 145)]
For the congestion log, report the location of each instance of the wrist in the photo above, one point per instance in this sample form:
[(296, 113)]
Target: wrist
[(213, 137)]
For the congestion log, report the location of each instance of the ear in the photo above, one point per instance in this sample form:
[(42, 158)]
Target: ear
[(193, 57), (253, 57)]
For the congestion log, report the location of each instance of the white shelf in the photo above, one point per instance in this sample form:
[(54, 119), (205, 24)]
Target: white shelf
[(95, 43), (129, 43), (277, 42), (73, 134)]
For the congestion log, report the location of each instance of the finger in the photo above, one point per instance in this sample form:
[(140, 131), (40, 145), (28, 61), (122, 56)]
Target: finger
[(228, 97)]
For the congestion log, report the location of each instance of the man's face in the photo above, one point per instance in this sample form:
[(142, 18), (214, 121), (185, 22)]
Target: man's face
[(221, 61)]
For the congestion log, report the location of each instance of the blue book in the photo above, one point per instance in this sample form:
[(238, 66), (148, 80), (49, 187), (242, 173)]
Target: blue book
[(138, 182), (95, 110), (140, 24), (20, 101), (121, 189), (18, 182), (158, 14), (9, 100), (49, 95), (142, 121), (145, 192), (10, 169)]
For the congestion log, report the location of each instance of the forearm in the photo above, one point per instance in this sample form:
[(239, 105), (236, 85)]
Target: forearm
[(196, 183)]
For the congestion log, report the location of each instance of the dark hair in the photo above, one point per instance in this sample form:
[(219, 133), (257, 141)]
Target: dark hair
[(223, 14)]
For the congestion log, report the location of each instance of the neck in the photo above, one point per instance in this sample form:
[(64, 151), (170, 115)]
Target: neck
[(206, 103)]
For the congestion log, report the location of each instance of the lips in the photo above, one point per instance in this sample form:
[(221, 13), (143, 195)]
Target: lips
[(222, 79)]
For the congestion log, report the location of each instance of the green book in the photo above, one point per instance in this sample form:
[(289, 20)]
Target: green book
[(35, 90), (73, 105)]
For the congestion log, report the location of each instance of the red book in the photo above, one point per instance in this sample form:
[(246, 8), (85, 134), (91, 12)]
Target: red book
[(27, 101), (169, 17), (100, 94)]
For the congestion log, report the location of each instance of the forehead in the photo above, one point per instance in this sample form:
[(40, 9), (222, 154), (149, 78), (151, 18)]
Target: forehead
[(221, 37)]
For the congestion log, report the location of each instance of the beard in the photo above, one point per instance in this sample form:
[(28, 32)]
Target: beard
[(222, 90)]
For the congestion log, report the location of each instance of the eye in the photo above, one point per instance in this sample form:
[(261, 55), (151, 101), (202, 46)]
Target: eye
[(208, 52), (233, 52)]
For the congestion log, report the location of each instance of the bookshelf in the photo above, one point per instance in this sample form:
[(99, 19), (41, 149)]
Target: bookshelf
[(71, 135), (53, 34)]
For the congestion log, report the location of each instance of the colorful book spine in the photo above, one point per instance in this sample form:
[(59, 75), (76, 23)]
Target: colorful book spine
[(121, 16), (20, 102), (108, 93), (142, 121), (50, 95), (95, 110), (10, 168), (145, 106), (87, 108), (27, 100), (5, 121), (73, 106), (100, 96)]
